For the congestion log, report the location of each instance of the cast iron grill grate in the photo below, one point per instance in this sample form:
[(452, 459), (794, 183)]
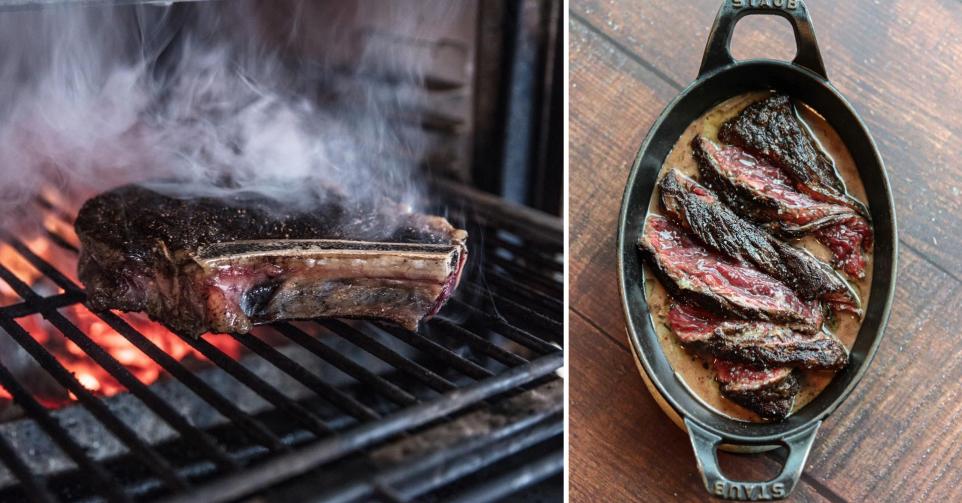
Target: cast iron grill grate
[(470, 407)]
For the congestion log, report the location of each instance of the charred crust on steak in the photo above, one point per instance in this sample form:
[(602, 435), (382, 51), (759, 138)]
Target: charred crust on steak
[(725, 171), (695, 273), (700, 212), (754, 343), (770, 128), (763, 194), (770, 393), (223, 264)]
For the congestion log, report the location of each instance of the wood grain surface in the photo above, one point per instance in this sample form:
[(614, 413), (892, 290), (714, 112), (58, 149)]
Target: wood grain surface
[(899, 435)]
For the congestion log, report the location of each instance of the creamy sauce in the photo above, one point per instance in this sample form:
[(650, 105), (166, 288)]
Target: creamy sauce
[(695, 372)]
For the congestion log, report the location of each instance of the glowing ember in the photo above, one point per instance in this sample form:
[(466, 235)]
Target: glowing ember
[(70, 355), (20, 267)]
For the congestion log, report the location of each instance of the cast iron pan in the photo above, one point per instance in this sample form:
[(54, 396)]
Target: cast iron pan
[(720, 78)]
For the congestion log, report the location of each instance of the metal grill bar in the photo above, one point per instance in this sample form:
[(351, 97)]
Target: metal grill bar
[(447, 356), (512, 332), (492, 212), (119, 372), (41, 265), (66, 379), (519, 310), (505, 485), (489, 275), (61, 242), (299, 373), (250, 426), (55, 302), (140, 390), (169, 364), (410, 479), (296, 463), (545, 277), (480, 456), (532, 255), (258, 385), (495, 364), (481, 344), (509, 285), (359, 373), (547, 286), (31, 484), (387, 355), (102, 480)]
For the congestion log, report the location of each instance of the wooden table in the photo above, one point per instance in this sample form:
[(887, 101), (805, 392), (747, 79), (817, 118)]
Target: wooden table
[(899, 435)]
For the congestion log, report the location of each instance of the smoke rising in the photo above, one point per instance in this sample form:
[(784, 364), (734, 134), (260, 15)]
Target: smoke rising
[(277, 98)]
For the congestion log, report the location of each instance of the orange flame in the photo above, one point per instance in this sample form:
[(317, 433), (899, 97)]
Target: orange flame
[(91, 375)]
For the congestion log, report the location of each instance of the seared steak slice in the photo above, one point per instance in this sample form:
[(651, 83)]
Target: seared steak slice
[(701, 275), (762, 191), (765, 194), (847, 240), (770, 129), (756, 343), (714, 224), (224, 264), (770, 393)]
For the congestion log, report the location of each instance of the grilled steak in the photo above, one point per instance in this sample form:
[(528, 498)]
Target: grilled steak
[(226, 263), (770, 129), (755, 343), (763, 193), (768, 392), (714, 224), (694, 272)]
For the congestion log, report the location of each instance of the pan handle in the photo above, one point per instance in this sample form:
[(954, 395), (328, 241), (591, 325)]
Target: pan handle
[(706, 445), (717, 50)]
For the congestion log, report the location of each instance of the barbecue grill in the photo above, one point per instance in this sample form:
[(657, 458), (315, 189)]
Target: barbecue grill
[(473, 396), (110, 406)]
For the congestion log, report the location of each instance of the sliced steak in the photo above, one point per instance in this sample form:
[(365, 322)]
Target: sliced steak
[(223, 264), (770, 129), (770, 393), (848, 240), (756, 343), (697, 273), (758, 189), (764, 194), (698, 210)]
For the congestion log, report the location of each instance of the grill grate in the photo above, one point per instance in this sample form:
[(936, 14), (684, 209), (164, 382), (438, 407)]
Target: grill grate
[(473, 396)]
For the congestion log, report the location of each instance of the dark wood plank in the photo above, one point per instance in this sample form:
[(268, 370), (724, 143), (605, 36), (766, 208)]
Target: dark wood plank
[(897, 436), (897, 62), (633, 452), (613, 100)]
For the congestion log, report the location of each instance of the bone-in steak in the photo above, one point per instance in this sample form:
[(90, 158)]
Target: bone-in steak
[(701, 275), (225, 263), (698, 210), (768, 392), (752, 342)]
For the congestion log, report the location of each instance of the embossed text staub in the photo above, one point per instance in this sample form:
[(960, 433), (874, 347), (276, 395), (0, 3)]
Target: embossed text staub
[(753, 491), (772, 4)]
